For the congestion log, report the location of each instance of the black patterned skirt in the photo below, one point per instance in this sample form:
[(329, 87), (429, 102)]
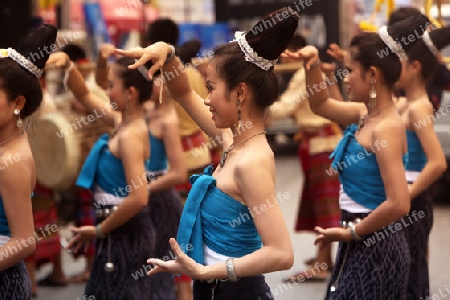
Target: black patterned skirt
[(15, 283), (420, 220), (375, 268), (144, 236), (165, 213), (246, 288)]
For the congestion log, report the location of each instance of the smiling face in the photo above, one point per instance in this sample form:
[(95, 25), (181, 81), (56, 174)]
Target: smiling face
[(6, 109), (220, 100), (357, 80)]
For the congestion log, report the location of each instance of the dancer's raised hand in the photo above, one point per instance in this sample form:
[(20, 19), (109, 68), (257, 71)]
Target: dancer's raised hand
[(157, 53), (336, 52), (309, 55)]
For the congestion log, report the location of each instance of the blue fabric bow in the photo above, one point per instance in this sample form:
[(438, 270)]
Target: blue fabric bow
[(86, 178), (338, 153), (215, 219), (190, 229)]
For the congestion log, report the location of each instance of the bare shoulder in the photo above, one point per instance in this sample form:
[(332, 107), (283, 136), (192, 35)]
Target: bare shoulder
[(391, 130), (132, 136), (420, 109), (257, 157), (15, 166), (391, 126)]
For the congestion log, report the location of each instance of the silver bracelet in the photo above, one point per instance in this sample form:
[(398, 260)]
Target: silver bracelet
[(229, 263), (98, 232), (69, 68), (355, 236), (171, 55)]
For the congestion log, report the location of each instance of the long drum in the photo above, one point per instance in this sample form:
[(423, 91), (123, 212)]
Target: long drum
[(60, 144)]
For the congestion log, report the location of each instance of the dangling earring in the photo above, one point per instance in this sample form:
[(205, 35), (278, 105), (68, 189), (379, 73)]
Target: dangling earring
[(238, 103), (19, 122), (127, 117), (372, 95)]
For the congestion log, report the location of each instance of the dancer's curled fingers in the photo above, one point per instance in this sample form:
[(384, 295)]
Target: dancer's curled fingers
[(181, 265), (157, 53), (309, 55)]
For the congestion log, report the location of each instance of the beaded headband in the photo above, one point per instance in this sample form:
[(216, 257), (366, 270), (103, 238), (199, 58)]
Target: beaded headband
[(395, 46), (429, 43), (250, 54), (22, 61)]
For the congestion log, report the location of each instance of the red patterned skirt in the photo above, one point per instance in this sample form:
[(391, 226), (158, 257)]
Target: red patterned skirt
[(319, 200), (84, 214), (44, 215)]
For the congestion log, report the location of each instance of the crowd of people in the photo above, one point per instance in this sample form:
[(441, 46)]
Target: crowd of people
[(161, 131)]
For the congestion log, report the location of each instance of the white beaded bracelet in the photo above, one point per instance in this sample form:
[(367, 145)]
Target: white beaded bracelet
[(67, 73), (171, 55)]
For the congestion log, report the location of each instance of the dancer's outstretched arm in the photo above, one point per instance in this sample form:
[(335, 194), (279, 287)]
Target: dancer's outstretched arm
[(178, 85)]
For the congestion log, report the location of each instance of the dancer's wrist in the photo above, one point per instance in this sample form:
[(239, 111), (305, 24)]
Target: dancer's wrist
[(98, 231), (354, 235)]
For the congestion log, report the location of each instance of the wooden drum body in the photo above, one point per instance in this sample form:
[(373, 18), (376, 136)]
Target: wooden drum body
[(62, 143)]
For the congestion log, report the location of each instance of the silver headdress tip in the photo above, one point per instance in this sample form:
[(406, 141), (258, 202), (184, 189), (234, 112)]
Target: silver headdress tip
[(22, 61), (250, 54), (429, 43), (144, 71), (395, 46)]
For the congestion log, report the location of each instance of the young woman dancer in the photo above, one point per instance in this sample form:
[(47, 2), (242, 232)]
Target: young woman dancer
[(225, 258), (319, 199), (165, 150), (20, 97), (373, 260), (440, 81), (115, 170), (166, 169), (426, 158)]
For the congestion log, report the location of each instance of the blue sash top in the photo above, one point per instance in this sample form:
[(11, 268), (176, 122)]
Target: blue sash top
[(417, 157), (158, 157), (358, 169), (211, 217), (4, 228), (103, 169)]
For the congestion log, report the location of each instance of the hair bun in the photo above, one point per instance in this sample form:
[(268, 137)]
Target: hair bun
[(440, 37), (36, 46), (271, 36), (408, 31), (189, 50)]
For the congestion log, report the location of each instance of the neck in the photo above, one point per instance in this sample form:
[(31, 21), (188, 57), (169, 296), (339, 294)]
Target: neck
[(134, 112), (384, 98), (247, 129), (8, 132), (415, 91)]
